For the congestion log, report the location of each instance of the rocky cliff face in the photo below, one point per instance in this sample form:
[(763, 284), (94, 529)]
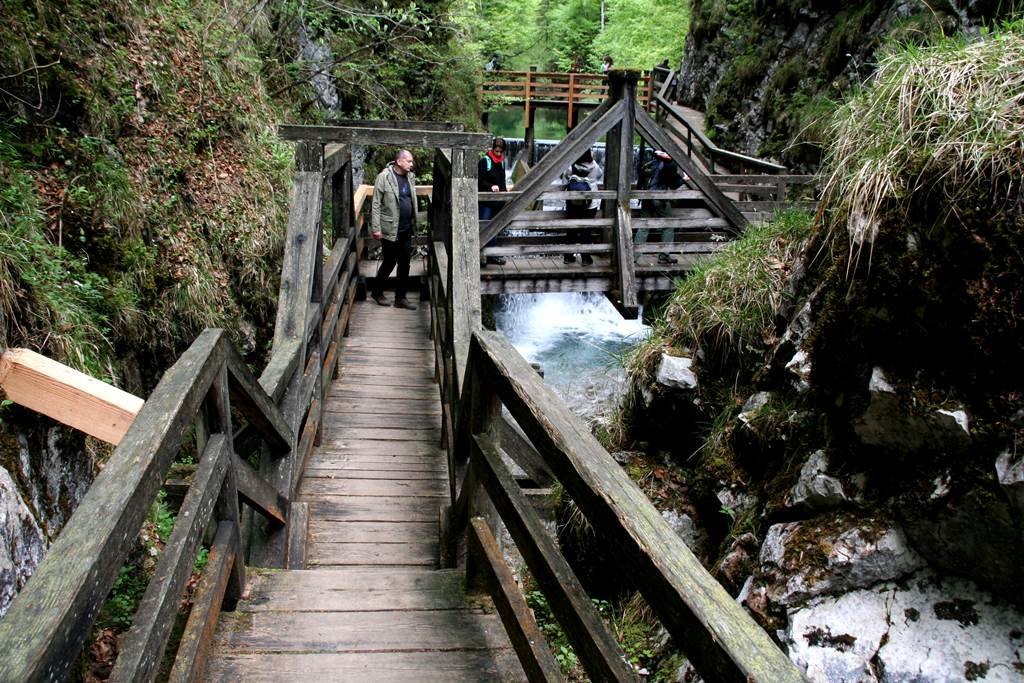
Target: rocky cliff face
[(766, 72), (857, 465)]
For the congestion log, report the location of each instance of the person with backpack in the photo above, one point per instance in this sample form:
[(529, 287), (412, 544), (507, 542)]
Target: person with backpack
[(583, 176), (663, 175), (490, 177)]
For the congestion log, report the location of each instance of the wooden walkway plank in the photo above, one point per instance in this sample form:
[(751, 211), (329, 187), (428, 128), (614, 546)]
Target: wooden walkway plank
[(372, 603)]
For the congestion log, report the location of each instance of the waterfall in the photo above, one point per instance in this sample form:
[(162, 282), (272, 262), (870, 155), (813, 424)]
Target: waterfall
[(578, 339)]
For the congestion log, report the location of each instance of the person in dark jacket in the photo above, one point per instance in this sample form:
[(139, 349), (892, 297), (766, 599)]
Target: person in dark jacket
[(392, 221), (584, 175), (663, 175), (490, 174)]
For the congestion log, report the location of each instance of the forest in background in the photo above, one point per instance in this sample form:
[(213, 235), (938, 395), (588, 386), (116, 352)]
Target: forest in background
[(560, 36)]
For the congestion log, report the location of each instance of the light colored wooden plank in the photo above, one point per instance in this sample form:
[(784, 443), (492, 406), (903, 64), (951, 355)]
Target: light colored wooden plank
[(359, 632), (364, 509), (322, 488), (350, 447), (314, 471), (67, 395), (382, 434), (354, 590), (363, 554), (471, 666), (382, 532), (392, 419), (399, 406)]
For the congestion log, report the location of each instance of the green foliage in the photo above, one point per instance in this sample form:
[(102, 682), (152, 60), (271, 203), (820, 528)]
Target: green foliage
[(641, 33), (557, 640), (725, 307), (950, 113), (568, 35), (119, 609), (161, 517)]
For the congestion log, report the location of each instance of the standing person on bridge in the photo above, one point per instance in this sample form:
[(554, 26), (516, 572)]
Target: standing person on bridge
[(490, 177), (392, 219), (663, 175), (585, 175)]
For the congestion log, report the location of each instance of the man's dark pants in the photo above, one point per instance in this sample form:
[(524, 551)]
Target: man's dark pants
[(395, 251)]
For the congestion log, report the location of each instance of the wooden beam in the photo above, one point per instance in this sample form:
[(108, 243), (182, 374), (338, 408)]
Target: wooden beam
[(197, 638), (718, 202), (259, 409), (67, 395), (144, 643), (400, 124), (625, 299), (553, 163), (717, 634), (599, 654), (464, 259), (385, 136), (46, 625), (527, 640)]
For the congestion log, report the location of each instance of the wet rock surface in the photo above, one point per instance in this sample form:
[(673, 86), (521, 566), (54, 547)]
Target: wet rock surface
[(925, 628), (22, 543)]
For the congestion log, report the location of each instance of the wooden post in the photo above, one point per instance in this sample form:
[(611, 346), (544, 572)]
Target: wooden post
[(529, 95), (464, 259), (569, 120), (226, 510), (484, 407), (531, 137), (619, 177), (341, 197)]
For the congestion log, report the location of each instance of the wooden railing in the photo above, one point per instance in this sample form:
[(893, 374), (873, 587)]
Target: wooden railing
[(699, 146), (545, 438), (551, 231), (570, 89), (46, 626)]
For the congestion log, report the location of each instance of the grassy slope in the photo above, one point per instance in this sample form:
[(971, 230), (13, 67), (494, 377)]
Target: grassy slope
[(145, 196)]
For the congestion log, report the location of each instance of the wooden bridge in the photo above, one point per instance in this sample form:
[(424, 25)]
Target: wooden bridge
[(353, 494)]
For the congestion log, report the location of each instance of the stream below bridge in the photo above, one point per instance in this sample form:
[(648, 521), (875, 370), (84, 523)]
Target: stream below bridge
[(579, 340)]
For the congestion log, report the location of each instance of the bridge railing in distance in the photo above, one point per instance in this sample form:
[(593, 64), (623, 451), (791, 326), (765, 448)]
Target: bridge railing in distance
[(547, 88), (43, 632), (720, 639), (697, 144)]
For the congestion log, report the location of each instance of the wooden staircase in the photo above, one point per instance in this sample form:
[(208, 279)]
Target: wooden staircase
[(373, 604)]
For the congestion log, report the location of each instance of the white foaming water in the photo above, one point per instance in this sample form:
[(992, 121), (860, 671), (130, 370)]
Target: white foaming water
[(579, 341)]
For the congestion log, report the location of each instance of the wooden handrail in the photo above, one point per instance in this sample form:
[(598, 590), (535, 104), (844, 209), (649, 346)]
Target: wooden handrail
[(568, 88), (718, 636), (711, 151), (44, 630)]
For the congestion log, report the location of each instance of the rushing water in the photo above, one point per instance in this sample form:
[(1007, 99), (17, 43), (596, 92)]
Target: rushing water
[(579, 341)]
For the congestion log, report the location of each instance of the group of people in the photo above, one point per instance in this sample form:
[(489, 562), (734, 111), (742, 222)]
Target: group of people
[(393, 209)]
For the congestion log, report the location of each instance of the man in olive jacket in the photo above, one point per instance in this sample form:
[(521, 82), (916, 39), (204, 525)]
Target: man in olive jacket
[(392, 219)]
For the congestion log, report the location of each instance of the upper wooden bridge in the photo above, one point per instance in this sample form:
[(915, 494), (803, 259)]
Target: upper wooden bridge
[(353, 493)]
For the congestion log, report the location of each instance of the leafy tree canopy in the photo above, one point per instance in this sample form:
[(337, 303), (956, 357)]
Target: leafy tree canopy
[(568, 34)]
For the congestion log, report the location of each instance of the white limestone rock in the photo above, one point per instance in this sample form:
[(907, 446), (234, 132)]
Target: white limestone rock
[(22, 543), (888, 424), (676, 372), (800, 367), (685, 528), (1011, 477), (925, 629), (753, 406), (832, 554), (815, 489)]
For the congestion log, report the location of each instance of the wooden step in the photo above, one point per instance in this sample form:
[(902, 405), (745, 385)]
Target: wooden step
[(360, 625)]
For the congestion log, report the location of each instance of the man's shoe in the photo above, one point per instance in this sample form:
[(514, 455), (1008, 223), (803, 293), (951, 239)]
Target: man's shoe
[(569, 258), (496, 260), (406, 304), (380, 299), (666, 259), (586, 259)]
